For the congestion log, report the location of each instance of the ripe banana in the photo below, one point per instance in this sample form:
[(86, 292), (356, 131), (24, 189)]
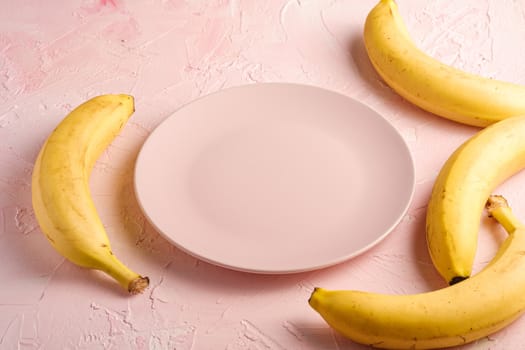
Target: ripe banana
[(461, 189), (430, 84), (451, 316), (60, 186)]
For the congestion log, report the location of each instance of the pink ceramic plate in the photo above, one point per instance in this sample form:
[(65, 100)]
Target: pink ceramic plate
[(274, 178)]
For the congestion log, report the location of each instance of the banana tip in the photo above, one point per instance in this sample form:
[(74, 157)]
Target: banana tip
[(138, 285), (495, 201), (313, 297), (457, 279)]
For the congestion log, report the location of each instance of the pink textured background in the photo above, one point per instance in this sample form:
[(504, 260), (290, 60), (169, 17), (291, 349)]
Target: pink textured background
[(56, 54)]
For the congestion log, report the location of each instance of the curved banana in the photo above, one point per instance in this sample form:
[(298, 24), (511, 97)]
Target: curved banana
[(430, 84), (454, 315), (60, 186), (461, 189)]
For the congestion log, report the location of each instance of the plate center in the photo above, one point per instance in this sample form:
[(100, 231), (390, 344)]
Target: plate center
[(274, 179)]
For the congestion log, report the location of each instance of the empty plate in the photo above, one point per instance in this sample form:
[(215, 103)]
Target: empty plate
[(274, 178)]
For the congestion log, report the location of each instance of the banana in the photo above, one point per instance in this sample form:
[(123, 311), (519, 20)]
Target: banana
[(461, 189), (61, 197), (451, 316), (430, 84)]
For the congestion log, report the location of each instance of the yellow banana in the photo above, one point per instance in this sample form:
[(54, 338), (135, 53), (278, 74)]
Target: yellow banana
[(430, 84), (60, 186), (451, 316), (461, 189)]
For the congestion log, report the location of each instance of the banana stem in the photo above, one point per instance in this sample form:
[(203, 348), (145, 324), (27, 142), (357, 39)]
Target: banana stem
[(130, 280), (498, 208)]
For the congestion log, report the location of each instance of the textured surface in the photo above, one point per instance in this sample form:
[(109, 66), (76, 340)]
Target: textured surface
[(56, 54)]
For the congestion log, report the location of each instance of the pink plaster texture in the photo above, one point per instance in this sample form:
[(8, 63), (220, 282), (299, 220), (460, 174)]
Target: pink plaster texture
[(56, 54)]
